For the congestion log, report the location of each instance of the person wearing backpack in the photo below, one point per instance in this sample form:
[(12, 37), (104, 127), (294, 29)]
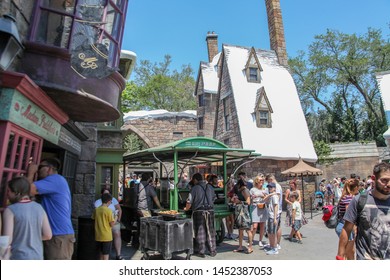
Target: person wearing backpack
[(146, 196), (351, 188), (369, 211)]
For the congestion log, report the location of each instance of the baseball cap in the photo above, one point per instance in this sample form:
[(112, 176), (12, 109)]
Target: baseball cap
[(271, 185)]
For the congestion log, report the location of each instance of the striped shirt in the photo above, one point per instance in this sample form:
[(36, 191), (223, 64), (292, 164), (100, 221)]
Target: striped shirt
[(343, 204)]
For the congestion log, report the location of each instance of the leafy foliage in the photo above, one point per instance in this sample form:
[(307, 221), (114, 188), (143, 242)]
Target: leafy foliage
[(133, 143), (156, 87), (337, 86)]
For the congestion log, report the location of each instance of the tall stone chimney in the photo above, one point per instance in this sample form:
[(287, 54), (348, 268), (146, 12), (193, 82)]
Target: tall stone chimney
[(212, 44), (276, 30)]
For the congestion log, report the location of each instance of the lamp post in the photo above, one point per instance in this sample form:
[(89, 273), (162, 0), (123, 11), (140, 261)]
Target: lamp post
[(10, 43)]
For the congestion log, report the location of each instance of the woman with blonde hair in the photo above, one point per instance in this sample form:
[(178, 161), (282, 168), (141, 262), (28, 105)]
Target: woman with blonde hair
[(259, 211), (351, 188)]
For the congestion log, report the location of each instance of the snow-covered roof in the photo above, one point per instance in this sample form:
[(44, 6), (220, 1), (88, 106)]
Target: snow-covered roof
[(383, 79), (143, 114), (210, 75), (289, 137)]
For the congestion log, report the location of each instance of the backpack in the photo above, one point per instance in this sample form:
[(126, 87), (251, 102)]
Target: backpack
[(330, 212), (330, 216), (361, 203), (131, 196)]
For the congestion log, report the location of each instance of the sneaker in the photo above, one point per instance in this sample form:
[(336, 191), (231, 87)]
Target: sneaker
[(299, 241), (267, 247), (119, 258), (261, 245), (273, 251), (213, 254), (278, 247)]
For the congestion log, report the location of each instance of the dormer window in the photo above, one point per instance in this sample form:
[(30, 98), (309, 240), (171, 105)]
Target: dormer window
[(263, 110), (253, 68)]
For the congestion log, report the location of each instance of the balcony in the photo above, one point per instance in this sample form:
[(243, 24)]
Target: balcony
[(84, 100)]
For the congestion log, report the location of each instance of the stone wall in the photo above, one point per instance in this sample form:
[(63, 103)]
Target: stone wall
[(161, 130), (109, 139), (84, 191), (232, 137), (361, 166)]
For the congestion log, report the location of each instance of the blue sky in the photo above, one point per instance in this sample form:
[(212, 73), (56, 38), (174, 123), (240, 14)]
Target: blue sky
[(179, 27)]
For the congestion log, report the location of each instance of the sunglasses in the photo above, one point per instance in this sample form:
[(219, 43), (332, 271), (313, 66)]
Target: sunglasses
[(43, 165)]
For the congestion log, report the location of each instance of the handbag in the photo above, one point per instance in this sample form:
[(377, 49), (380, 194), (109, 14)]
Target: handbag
[(304, 220), (260, 205), (242, 219)]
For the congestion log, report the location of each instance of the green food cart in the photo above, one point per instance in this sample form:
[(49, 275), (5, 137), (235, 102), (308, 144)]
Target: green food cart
[(190, 152)]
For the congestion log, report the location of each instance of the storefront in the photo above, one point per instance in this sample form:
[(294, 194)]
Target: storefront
[(33, 127)]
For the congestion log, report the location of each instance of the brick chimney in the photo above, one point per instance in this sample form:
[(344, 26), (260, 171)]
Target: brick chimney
[(276, 30), (212, 44)]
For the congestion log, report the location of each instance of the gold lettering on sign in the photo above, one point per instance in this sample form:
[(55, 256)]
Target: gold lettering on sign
[(88, 62)]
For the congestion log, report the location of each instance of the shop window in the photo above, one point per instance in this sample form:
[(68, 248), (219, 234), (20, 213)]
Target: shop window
[(21, 148), (106, 177), (69, 168), (68, 24), (200, 123)]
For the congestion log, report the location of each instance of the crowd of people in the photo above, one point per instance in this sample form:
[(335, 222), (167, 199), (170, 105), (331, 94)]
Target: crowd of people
[(44, 230), (331, 190), (258, 207)]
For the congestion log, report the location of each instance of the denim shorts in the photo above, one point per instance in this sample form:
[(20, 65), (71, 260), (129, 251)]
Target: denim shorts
[(271, 227), (297, 225), (338, 229)]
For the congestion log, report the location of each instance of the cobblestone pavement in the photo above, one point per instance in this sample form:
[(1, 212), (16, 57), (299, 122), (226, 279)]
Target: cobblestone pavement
[(319, 243)]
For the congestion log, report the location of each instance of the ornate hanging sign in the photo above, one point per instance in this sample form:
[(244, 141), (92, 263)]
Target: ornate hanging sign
[(91, 60)]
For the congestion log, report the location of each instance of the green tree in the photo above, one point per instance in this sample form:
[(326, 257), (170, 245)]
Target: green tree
[(156, 87), (337, 85)]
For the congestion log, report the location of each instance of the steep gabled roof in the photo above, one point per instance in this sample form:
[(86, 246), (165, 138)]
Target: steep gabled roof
[(289, 135)]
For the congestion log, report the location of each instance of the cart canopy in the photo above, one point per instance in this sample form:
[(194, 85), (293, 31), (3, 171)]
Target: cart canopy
[(190, 151)]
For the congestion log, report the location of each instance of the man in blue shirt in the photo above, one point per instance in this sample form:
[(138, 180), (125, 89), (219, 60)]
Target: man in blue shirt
[(56, 200)]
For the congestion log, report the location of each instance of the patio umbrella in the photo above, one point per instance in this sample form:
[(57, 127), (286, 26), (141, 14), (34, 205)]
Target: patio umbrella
[(302, 169)]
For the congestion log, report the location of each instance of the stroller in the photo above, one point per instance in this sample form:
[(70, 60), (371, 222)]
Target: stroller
[(318, 200)]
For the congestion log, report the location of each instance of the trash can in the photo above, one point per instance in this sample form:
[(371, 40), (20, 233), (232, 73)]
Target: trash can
[(86, 246), (166, 236)]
